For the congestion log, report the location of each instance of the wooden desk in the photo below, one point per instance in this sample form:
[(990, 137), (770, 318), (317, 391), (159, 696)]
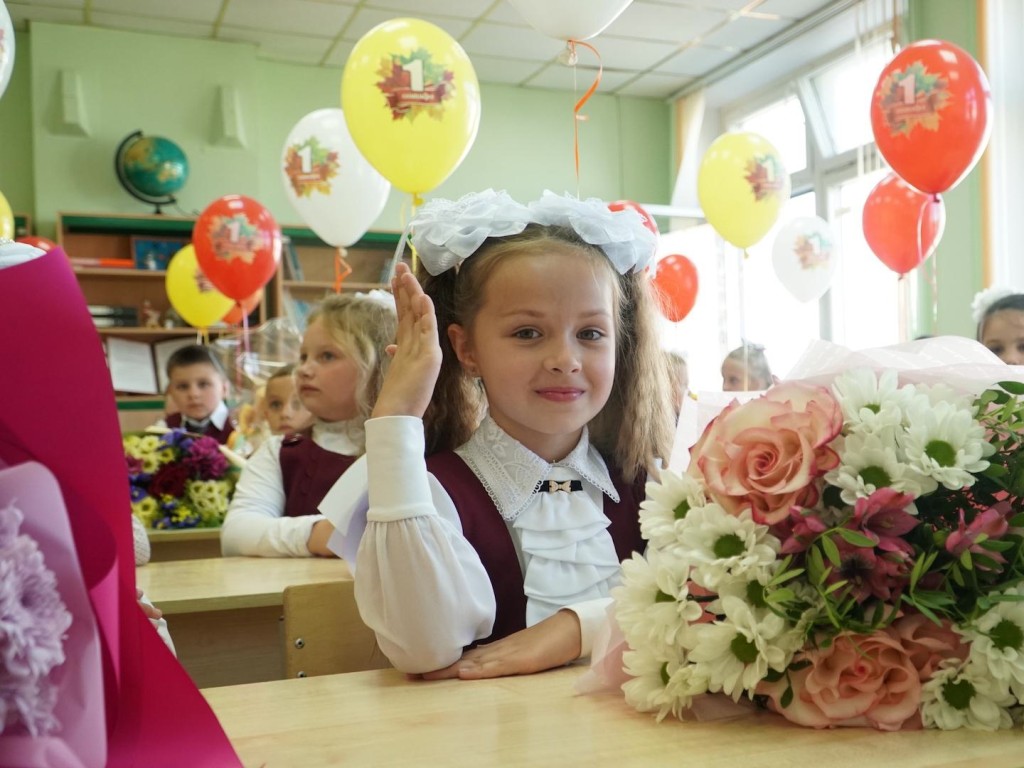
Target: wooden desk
[(224, 613), (380, 718), (184, 544)]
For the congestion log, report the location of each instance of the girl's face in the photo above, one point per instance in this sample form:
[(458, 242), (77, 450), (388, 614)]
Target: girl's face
[(327, 377), (543, 343), (282, 408), (736, 378), (1004, 334)]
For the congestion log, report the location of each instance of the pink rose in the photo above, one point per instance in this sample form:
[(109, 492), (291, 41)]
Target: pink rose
[(928, 643), (766, 454), (859, 680)]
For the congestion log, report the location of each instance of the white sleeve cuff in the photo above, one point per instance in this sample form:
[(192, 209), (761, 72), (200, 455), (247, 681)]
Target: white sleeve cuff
[(592, 615), (397, 472)]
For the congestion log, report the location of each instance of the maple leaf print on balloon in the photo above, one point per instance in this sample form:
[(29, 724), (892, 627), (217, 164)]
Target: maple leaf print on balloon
[(765, 176), (913, 97), (234, 237), (310, 167), (414, 84)]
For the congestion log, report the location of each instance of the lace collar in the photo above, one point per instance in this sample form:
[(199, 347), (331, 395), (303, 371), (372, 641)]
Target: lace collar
[(352, 431), (510, 471)]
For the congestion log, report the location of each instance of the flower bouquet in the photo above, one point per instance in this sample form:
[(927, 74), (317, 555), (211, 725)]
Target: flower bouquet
[(179, 480), (842, 554)]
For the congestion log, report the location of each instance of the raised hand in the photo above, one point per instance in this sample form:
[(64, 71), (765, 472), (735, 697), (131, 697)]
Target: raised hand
[(409, 382), (551, 643)]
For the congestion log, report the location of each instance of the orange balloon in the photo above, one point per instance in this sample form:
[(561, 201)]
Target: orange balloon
[(243, 308), (42, 243), (675, 282), (930, 114), (901, 225)]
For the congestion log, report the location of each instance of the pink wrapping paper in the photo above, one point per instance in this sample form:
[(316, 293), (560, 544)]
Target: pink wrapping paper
[(59, 410)]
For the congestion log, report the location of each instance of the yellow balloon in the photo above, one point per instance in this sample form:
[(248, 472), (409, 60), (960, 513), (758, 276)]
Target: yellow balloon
[(6, 219), (742, 186), (192, 295), (411, 102)]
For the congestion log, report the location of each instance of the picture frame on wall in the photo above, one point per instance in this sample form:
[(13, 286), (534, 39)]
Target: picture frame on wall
[(153, 253)]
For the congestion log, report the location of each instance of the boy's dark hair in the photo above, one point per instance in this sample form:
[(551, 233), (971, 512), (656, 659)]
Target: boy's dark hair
[(192, 355)]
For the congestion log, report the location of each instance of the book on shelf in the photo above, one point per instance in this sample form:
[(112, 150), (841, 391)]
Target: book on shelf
[(139, 367), (113, 310), (86, 261), (292, 265), (115, 321)]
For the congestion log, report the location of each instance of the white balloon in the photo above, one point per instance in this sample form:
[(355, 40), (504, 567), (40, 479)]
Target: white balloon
[(570, 19), (329, 183), (6, 47), (805, 258)]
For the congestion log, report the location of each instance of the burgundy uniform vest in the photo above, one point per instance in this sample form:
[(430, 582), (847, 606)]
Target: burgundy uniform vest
[(220, 435), (485, 529), (308, 473)]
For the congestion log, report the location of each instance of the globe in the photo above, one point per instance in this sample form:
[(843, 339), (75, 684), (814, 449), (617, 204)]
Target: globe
[(151, 168)]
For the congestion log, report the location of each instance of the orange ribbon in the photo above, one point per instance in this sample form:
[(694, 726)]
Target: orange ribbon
[(342, 269), (577, 117)]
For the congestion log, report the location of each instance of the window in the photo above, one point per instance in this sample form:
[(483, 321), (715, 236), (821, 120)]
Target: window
[(782, 123)]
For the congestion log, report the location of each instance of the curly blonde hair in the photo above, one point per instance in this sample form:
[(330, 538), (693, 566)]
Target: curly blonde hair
[(363, 327), (633, 429)]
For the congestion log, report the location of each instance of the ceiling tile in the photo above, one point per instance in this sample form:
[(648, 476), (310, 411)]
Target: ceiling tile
[(462, 9), (491, 69), (657, 21), (300, 49), (714, 5), (793, 9), (368, 18), (183, 10), (340, 53), (620, 53), (744, 33), (300, 17), (654, 86), (511, 42), (146, 24), (696, 60), (505, 13), (560, 78), (22, 13)]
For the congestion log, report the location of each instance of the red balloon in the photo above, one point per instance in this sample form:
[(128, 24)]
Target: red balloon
[(238, 245), (35, 241), (675, 281), (243, 308), (621, 205), (902, 226), (930, 114)]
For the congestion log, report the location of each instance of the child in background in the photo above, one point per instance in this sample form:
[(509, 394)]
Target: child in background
[(746, 369), (512, 532), (999, 314), (281, 407), (341, 366), (679, 377), (197, 388)]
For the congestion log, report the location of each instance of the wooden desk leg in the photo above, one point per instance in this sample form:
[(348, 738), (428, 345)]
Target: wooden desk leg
[(229, 647)]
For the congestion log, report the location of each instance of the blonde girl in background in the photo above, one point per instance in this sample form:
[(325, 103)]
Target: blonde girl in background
[(999, 313), (340, 370), (495, 556), (746, 369)]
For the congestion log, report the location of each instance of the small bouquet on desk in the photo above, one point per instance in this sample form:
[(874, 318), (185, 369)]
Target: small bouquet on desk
[(179, 480), (845, 550)]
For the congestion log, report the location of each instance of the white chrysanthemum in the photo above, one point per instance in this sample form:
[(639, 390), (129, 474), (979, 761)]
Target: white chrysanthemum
[(965, 696), (945, 442), (719, 545), (660, 684), (943, 393), (997, 643), (870, 461), (652, 604), (870, 403), (736, 653), (667, 503)]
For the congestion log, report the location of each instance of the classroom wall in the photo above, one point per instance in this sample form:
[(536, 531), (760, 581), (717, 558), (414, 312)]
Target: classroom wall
[(524, 144), (957, 268)]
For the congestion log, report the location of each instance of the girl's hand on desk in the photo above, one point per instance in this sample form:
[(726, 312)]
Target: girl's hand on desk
[(151, 611), (551, 643), (318, 538), (416, 360)]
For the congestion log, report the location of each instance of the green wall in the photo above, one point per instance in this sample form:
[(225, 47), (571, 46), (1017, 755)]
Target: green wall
[(959, 256), (170, 86)]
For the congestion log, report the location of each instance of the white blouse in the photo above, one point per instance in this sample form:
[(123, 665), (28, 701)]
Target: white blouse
[(421, 586), (255, 523)]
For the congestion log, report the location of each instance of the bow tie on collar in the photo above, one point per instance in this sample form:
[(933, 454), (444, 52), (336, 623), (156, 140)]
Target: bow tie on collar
[(552, 486)]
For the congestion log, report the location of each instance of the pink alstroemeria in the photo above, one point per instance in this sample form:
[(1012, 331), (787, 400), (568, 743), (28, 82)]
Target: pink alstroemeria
[(798, 531), (992, 523), (883, 517)]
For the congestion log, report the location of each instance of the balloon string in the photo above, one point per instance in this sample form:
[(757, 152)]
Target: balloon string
[(741, 286), (417, 201), (577, 117), (342, 269)]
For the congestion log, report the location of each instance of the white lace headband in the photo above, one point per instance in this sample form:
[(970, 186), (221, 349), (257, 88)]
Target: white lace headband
[(986, 298), (447, 232)]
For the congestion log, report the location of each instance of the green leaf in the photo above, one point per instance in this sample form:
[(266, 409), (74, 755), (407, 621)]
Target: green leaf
[(965, 560), (857, 539), (1013, 387), (831, 550), (773, 676), (796, 666), (998, 545), (837, 585), (787, 697), (995, 470), (957, 576), (780, 596)]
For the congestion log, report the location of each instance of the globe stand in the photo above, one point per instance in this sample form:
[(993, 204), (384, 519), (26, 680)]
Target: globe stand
[(155, 201)]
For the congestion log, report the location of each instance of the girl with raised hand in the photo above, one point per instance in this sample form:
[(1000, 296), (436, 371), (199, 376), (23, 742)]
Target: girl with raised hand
[(341, 367), (527, 368)]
